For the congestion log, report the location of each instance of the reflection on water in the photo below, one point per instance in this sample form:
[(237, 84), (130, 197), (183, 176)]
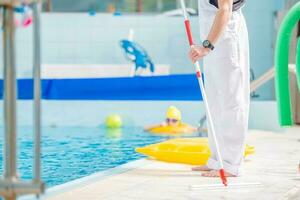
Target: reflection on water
[(113, 133)]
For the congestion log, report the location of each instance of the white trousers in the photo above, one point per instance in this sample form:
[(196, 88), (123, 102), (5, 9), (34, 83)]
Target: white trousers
[(227, 83)]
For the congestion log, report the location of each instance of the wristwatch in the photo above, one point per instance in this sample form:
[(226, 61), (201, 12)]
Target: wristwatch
[(208, 44)]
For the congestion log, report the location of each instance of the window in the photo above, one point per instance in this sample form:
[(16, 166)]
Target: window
[(127, 6)]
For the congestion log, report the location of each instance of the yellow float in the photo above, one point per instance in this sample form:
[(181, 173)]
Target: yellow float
[(193, 151), (180, 129)]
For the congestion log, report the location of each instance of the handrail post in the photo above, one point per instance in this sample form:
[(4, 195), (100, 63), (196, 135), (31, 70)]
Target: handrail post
[(10, 85), (37, 91)]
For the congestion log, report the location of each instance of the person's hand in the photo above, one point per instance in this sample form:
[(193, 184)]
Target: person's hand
[(197, 52)]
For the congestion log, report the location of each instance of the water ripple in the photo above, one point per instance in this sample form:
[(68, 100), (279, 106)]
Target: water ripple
[(69, 153)]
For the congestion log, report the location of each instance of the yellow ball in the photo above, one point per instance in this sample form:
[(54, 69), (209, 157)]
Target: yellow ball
[(113, 121)]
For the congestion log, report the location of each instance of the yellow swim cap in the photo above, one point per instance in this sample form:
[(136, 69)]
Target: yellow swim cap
[(173, 113)]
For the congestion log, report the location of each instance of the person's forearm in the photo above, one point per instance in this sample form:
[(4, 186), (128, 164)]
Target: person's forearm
[(221, 20)]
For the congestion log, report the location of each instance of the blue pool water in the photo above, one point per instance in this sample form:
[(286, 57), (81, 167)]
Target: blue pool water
[(73, 152)]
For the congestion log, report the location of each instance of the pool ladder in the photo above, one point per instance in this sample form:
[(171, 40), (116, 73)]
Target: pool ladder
[(11, 186)]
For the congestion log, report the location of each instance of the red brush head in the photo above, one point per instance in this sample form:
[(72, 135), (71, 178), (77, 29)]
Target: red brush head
[(223, 177)]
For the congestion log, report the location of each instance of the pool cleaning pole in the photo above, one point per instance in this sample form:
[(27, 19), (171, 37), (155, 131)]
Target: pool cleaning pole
[(200, 80)]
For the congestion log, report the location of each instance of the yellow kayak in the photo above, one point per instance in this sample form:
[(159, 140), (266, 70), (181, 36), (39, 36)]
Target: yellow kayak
[(181, 129), (194, 151)]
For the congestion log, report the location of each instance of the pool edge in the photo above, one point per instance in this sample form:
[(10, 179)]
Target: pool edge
[(89, 179)]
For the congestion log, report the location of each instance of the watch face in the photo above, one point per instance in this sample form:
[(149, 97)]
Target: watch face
[(206, 43)]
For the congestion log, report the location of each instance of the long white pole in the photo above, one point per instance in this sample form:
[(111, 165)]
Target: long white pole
[(200, 80)]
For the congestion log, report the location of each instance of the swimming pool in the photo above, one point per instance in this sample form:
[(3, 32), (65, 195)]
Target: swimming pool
[(75, 144), (73, 152)]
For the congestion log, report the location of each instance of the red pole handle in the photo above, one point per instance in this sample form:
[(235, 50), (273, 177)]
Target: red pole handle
[(191, 42), (188, 32)]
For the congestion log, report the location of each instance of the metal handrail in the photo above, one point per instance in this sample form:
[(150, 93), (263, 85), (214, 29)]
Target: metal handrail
[(37, 91), (270, 74), (12, 187), (10, 144), (9, 189)]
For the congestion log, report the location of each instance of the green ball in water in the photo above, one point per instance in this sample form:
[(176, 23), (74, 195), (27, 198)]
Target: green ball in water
[(113, 121)]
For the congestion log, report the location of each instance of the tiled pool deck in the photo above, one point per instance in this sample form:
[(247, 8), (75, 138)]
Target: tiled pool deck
[(275, 166)]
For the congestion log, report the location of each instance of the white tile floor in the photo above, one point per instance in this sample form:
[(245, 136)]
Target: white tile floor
[(275, 166)]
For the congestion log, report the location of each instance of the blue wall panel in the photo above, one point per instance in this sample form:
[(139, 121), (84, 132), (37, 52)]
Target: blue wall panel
[(160, 88)]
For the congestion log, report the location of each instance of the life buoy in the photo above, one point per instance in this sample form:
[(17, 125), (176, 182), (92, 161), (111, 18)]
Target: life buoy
[(180, 129)]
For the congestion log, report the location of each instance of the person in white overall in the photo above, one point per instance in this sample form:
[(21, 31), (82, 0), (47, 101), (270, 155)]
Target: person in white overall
[(225, 52)]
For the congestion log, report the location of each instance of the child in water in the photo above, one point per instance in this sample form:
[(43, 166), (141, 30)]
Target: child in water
[(173, 119)]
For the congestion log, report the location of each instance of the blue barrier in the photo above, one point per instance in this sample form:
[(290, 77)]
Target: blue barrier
[(160, 88)]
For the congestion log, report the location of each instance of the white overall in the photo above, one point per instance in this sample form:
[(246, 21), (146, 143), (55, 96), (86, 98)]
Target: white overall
[(227, 83)]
